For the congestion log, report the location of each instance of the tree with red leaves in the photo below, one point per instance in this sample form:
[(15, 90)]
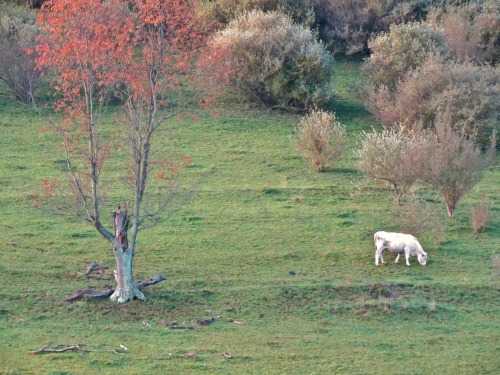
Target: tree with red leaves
[(151, 55)]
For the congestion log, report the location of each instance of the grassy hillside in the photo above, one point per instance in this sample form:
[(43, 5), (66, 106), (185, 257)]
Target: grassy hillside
[(281, 254)]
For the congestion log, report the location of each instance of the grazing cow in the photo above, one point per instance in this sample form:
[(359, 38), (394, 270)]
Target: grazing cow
[(398, 243)]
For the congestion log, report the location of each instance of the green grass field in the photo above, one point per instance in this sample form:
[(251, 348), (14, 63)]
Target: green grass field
[(281, 254)]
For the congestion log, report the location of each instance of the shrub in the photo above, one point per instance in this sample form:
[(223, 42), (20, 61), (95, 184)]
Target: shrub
[(470, 92), (472, 30), (282, 63), (18, 35), (347, 25), (460, 34), (391, 156), (488, 22), (413, 10), (402, 49), (453, 163), (223, 11), (480, 217), (319, 137)]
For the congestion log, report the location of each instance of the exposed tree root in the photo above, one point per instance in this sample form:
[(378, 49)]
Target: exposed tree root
[(91, 293)]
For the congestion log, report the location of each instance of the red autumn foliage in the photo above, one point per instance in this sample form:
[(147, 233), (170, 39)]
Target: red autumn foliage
[(150, 54)]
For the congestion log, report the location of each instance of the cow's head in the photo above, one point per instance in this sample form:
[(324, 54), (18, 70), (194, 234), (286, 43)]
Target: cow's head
[(422, 258)]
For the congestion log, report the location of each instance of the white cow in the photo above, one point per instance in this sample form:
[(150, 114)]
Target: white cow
[(398, 243)]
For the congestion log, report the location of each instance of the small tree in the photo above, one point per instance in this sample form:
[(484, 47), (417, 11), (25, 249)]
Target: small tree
[(18, 34), (152, 53), (391, 156), (453, 163), (319, 137)]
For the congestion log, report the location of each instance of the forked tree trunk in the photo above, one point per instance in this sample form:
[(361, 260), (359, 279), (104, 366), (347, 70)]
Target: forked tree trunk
[(126, 288)]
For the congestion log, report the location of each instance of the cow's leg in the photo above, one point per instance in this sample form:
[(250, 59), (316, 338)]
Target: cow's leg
[(378, 255), (407, 255), (381, 257), (397, 258)]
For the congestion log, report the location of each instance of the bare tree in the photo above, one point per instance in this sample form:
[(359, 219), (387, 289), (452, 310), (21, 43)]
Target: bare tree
[(453, 164)]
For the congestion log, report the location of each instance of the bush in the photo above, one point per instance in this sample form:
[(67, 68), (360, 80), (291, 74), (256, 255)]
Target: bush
[(347, 25), (461, 35), (282, 63), (414, 10), (488, 22), (472, 30), (391, 156), (18, 35), (223, 11), (402, 49), (453, 164), (470, 92), (480, 217), (319, 137)]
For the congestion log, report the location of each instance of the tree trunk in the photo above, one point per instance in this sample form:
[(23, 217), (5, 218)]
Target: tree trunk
[(450, 206), (126, 288)]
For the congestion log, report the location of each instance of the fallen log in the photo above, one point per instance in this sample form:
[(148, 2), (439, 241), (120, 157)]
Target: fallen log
[(91, 293)]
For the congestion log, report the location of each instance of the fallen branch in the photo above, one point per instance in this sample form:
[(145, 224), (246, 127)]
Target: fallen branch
[(66, 348), (91, 293), (205, 322), (152, 281), (90, 268)]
